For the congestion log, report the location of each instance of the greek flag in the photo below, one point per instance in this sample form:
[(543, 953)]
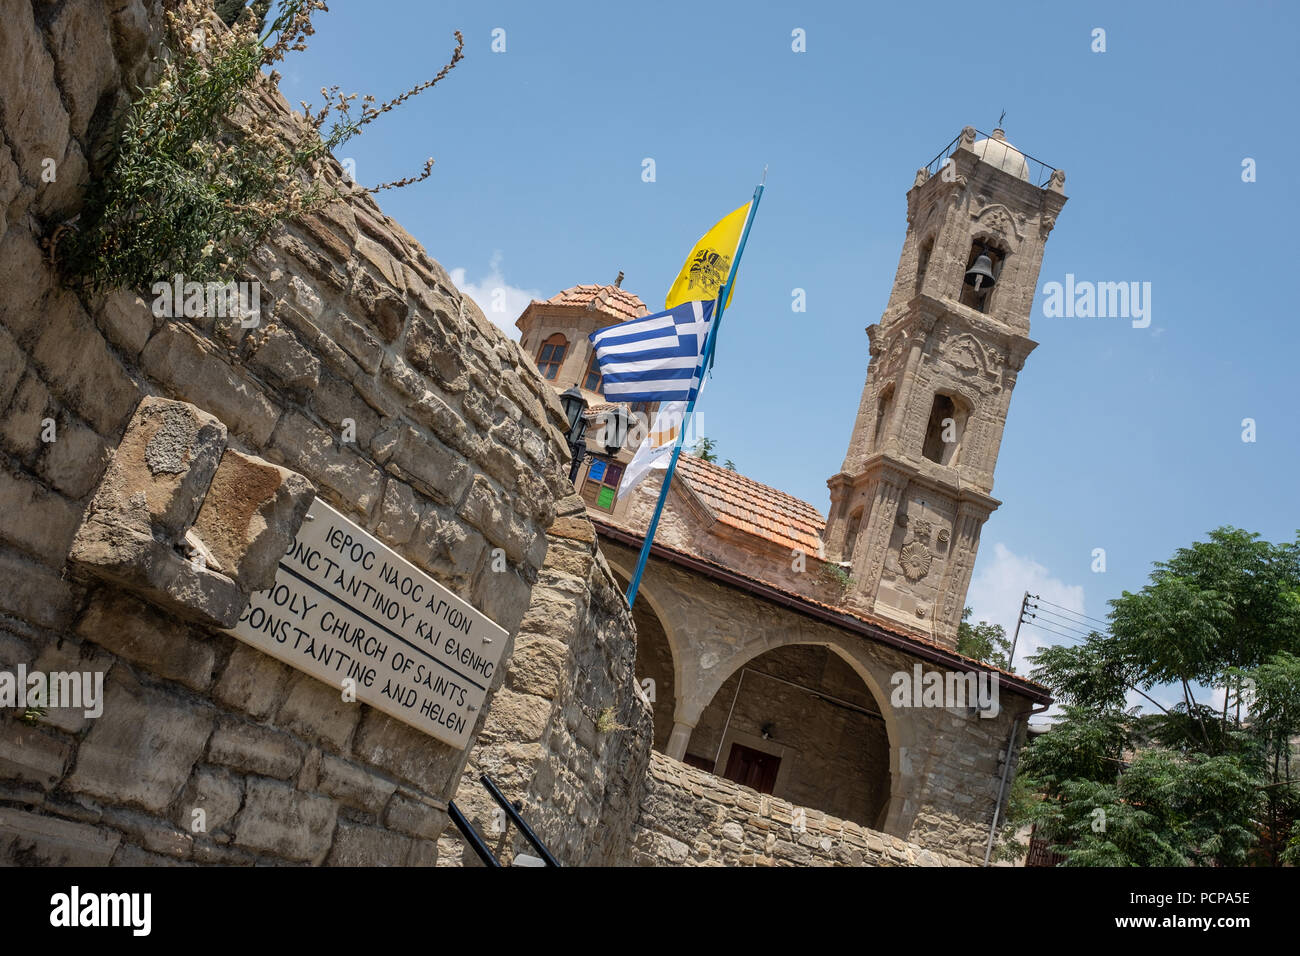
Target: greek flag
[(655, 358)]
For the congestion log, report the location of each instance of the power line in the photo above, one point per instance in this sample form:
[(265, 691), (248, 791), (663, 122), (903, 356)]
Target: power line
[(1064, 608), (1069, 637), (1064, 624), (1065, 621)]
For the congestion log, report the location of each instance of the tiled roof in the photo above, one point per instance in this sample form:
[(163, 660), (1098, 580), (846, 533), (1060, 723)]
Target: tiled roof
[(754, 507), (612, 300), (605, 525)]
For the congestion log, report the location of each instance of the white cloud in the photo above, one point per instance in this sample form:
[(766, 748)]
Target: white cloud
[(501, 302), (1000, 582)]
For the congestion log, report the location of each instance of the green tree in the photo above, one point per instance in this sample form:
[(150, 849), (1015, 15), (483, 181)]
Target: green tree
[(984, 642), (1192, 784), (703, 450)]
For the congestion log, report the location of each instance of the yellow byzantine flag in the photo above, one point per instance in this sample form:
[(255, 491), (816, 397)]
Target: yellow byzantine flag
[(709, 263)]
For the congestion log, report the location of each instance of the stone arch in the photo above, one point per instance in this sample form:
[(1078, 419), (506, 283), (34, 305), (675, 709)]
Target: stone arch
[(898, 810), (654, 625)]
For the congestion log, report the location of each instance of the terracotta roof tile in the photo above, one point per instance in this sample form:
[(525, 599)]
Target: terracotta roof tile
[(605, 523), (612, 300), (753, 507)]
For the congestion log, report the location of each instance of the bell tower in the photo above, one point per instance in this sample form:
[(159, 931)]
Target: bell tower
[(916, 485)]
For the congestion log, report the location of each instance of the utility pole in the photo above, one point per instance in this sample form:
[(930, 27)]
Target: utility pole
[(1020, 619)]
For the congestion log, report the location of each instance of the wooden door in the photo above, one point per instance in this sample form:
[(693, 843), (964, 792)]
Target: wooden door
[(752, 768)]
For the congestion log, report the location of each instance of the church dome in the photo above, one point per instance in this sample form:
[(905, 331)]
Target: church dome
[(996, 151)]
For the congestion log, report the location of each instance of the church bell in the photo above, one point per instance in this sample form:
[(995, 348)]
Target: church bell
[(980, 275)]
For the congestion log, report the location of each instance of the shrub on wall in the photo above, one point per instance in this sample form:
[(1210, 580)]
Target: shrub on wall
[(199, 176)]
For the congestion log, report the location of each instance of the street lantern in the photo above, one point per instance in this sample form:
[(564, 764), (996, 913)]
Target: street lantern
[(574, 405), (614, 428)]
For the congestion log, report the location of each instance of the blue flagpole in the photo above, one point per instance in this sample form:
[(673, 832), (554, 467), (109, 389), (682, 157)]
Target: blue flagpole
[(706, 363)]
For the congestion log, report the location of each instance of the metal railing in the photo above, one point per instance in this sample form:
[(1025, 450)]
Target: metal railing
[(475, 839), (1039, 172)]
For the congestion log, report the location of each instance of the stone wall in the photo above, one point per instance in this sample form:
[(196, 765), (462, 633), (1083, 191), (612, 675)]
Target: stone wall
[(367, 374), (692, 818), (569, 733)]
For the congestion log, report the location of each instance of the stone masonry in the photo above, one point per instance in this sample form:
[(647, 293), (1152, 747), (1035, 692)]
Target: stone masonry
[(152, 468), (692, 818)]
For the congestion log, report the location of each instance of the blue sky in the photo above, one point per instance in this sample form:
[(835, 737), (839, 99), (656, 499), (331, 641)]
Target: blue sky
[(1119, 438)]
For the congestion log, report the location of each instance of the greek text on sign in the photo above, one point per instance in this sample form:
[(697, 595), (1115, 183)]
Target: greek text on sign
[(347, 607)]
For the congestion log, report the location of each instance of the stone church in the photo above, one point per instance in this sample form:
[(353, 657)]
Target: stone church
[(767, 634), (164, 476)]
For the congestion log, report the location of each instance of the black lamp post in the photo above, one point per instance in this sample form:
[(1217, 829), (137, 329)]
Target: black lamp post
[(614, 425)]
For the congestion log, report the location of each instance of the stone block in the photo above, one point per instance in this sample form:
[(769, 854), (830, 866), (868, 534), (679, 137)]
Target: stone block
[(217, 793), (13, 363), (250, 516), (359, 845), (31, 754), (30, 839), (517, 717), (156, 572), (283, 821), (75, 461), (446, 548), (35, 120), (80, 41), (430, 465), (352, 785), (538, 666), (24, 275), (491, 512), (22, 426), (407, 753), (34, 593), (434, 349), (250, 748), (252, 682), (315, 453), (338, 403), (161, 469), (399, 513), (38, 521), (415, 815), (126, 320), (158, 643), (194, 370), (80, 366), (143, 748), (317, 711), (277, 350)]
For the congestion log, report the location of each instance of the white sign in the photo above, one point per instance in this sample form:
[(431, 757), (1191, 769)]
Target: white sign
[(350, 611)]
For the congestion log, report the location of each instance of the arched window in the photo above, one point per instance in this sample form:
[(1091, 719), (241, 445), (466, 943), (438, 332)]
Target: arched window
[(591, 380), (551, 357), (884, 409), (923, 261), (981, 299), (851, 535), (944, 431)]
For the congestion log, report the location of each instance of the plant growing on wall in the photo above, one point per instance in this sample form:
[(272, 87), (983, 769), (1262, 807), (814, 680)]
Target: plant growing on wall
[(837, 575), (201, 171)]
